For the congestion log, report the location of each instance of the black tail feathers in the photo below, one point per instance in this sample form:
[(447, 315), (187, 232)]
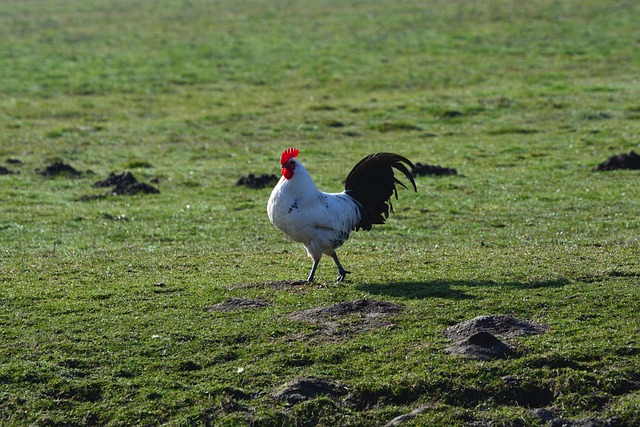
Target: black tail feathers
[(372, 183)]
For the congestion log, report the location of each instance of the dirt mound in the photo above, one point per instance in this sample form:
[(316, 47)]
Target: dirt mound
[(125, 178), (483, 346), (238, 304), (477, 337), (503, 326), (259, 181), (362, 307), (436, 170), (58, 168), (11, 161), (343, 320), (123, 184), (307, 388), (620, 161)]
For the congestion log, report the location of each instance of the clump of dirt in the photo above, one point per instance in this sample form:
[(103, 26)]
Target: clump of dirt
[(306, 388), (343, 320), (189, 366), (125, 178), (238, 304), (362, 307), (435, 170), (477, 337), (504, 326), (451, 114), (7, 171), (58, 168), (257, 182), (620, 161), (482, 346), (123, 184)]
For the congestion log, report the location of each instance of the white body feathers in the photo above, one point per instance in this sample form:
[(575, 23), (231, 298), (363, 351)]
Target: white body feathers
[(320, 221)]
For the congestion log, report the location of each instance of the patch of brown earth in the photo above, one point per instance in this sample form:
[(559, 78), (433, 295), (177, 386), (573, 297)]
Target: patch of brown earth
[(620, 161), (477, 337), (363, 307), (307, 388), (343, 320), (123, 184), (58, 168), (434, 170), (257, 181)]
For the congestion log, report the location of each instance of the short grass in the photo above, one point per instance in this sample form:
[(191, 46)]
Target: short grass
[(103, 309)]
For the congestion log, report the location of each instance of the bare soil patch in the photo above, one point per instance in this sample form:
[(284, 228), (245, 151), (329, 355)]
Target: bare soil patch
[(257, 181), (363, 308), (123, 184), (238, 304), (13, 162), (59, 168), (343, 320), (478, 337), (434, 170), (629, 160), (307, 388)]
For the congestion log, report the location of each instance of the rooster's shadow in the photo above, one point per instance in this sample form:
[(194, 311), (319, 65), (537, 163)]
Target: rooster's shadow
[(450, 289)]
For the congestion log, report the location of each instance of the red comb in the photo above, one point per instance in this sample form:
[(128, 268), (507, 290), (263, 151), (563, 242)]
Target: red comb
[(288, 154)]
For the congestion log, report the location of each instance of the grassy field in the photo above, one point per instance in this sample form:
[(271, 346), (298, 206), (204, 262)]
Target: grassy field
[(109, 305)]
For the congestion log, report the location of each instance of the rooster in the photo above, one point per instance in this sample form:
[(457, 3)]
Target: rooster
[(323, 221)]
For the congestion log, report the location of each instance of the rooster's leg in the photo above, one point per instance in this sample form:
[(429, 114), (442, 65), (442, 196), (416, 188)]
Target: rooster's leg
[(341, 271), (313, 270)]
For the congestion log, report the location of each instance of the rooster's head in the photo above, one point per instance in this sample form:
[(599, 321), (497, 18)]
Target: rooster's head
[(288, 162)]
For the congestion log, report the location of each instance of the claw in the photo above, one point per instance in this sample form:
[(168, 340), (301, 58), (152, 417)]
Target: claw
[(343, 274)]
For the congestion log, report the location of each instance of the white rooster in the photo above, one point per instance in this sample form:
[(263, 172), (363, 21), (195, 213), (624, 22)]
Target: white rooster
[(322, 221)]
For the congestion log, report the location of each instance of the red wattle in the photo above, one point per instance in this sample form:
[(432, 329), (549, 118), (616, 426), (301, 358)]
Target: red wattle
[(287, 173)]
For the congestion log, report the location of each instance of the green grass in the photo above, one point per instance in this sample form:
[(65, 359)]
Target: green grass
[(104, 306)]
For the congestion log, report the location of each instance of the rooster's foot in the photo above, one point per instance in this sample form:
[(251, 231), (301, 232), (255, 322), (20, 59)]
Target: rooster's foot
[(342, 274)]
